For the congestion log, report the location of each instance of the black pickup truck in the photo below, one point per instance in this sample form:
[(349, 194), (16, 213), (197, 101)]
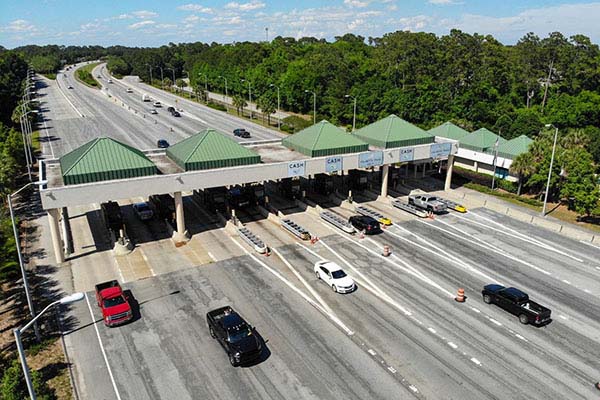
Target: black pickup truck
[(517, 303), (237, 337)]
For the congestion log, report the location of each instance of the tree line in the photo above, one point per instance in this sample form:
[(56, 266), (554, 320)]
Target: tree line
[(471, 79)]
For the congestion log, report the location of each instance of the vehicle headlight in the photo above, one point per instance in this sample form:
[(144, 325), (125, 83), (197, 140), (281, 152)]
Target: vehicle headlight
[(237, 355)]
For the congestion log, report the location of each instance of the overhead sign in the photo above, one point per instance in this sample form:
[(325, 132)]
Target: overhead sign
[(296, 168), (370, 159), (407, 154), (334, 164), (438, 150)]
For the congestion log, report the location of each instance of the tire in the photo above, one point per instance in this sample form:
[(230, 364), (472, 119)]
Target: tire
[(232, 360), (523, 319), (212, 333), (334, 288), (318, 276), (487, 299), (411, 202)]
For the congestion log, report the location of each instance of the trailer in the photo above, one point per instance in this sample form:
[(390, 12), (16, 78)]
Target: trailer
[(453, 205)]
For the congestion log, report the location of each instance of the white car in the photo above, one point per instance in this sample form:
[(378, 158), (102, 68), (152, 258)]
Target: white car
[(129, 90), (333, 275), (157, 104), (110, 81), (153, 111)]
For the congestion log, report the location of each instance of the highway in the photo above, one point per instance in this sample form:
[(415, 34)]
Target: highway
[(72, 117)]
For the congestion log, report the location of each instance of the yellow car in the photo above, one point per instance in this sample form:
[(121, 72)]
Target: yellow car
[(460, 208), (385, 221)]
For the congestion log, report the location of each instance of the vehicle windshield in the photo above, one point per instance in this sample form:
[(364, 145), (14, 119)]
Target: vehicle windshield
[(338, 274), (143, 207), (433, 199), (115, 301), (238, 333)]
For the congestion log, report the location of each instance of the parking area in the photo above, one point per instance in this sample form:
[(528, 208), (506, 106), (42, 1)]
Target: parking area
[(401, 334)]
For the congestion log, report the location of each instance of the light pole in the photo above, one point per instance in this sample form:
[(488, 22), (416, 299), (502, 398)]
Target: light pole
[(205, 83), (225, 79), (249, 97), (20, 256), (278, 110), (550, 169), (162, 80), (150, 69), (354, 114), (314, 105), (173, 70), (188, 78), (27, 138), (65, 300)]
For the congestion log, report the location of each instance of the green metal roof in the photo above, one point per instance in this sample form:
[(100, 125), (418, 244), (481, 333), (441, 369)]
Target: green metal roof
[(393, 131), (448, 130), (104, 159), (512, 148), (480, 140), (324, 139), (210, 149)]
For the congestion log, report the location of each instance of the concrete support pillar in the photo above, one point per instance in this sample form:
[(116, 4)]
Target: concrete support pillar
[(179, 213), (407, 170), (448, 183), (385, 171), (476, 165), (416, 169), (424, 169), (67, 235), (53, 221)]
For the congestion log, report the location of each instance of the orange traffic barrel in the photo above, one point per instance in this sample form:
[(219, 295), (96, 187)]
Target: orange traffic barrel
[(460, 296)]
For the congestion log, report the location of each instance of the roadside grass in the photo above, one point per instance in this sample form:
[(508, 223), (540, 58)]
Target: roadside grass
[(35, 141), (50, 75), (84, 75), (48, 358)]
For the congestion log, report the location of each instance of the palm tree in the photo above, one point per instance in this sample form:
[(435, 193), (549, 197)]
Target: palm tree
[(575, 138), (239, 103), (522, 166)]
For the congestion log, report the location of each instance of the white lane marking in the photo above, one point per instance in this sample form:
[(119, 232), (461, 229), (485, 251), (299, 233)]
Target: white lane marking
[(566, 281), (303, 281), (454, 346), (211, 256), (563, 317), (520, 337), (112, 378), (495, 322), (476, 361), (597, 268), (587, 291), (516, 234), (589, 244), (475, 309), (431, 330), (413, 388), (65, 96), (333, 317), (483, 244), (392, 370), (146, 260), (371, 352), (48, 137)]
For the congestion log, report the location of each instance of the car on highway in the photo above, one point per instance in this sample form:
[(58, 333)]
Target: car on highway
[(129, 90), (369, 225), (236, 336), (333, 275), (99, 76), (157, 104), (69, 87), (153, 111), (241, 132), (162, 144), (115, 306), (173, 112), (517, 303), (110, 81), (143, 211)]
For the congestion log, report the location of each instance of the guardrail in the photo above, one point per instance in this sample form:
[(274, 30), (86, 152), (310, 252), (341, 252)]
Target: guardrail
[(453, 205), (296, 229), (253, 240), (337, 221), (409, 208), (373, 214)]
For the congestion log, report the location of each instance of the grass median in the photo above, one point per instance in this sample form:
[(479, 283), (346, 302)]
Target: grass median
[(84, 75)]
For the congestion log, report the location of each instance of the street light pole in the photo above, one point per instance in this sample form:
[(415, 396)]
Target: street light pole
[(550, 169), (314, 105), (150, 69), (354, 114), (162, 80), (173, 70), (278, 107), (65, 300), (226, 95), (20, 255), (188, 78), (249, 98)]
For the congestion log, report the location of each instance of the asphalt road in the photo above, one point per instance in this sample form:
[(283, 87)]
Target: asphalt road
[(75, 116)]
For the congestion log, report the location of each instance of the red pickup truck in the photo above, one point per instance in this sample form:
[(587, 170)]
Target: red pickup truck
[(115, 306)]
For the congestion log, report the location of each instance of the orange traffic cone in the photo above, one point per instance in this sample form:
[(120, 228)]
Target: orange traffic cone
[(386, 251), (460, 296), (268, 252), (597, 385), (362, 234)]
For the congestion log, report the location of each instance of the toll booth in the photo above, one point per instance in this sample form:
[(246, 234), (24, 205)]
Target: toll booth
[(323, 184), (291, 188), (164, 207), (358, 180), (212, 199), (111, 213), (242, 196), (257, 190)]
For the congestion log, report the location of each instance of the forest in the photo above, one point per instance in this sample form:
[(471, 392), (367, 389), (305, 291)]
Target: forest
[(472, 80)]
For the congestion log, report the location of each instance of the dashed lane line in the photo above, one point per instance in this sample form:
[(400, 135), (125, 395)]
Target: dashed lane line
[(112, 378)]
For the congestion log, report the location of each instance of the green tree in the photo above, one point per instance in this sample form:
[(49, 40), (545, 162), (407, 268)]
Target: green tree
[(45, 64), (523, 167), (118, 66), (580, 182), (239, 103), (267, 105), (13, 385)]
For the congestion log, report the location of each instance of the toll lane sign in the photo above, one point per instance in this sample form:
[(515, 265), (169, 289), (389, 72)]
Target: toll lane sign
[(334, 164), (296, 168), (370, 159), (438, 150), (407, 155)]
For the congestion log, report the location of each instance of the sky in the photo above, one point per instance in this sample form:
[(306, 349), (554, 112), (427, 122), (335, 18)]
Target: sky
[(157, 22)]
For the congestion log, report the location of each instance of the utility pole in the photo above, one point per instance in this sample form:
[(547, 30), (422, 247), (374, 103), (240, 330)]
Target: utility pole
[(546, 86), (314, 105), (278, 106), (267, 34), (354, 113), (150, 69)]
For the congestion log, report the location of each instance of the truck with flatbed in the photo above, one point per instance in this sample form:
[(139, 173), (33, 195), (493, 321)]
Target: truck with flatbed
[(235, 335), (427, 202), (517, 303), (115, 306)]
